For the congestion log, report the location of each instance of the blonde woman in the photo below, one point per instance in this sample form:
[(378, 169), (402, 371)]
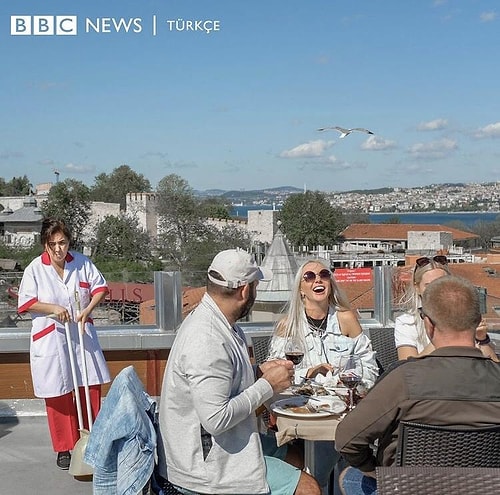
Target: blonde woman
[(409, 332), (320, 315)]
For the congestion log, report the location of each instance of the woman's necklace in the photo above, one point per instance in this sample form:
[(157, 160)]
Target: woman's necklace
[(318, 329), (318, 326)]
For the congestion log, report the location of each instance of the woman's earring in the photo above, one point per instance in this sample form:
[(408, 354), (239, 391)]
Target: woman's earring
[(302, 295)]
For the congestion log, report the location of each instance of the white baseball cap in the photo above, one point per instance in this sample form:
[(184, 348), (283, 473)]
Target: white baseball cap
[(237, 268)]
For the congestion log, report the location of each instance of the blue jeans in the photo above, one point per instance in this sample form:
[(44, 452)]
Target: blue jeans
[(356, 483)]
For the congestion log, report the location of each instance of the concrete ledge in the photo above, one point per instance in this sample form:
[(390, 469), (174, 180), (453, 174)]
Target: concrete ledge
[(16, 408), (111, 338), (22, 407), (117, 338)]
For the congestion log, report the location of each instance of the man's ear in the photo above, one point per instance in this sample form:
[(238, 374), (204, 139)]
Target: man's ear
[(429, 328), (244, 292)]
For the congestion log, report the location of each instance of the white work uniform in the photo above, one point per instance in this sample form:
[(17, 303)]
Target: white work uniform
[(50, 365)]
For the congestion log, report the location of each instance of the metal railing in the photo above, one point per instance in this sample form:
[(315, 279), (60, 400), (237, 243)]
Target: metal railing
[(168, 308)]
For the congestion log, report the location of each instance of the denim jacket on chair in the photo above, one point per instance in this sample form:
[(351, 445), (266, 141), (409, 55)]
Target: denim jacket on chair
[(122, 443)]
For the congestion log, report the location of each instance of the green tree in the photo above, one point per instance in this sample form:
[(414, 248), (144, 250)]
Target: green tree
[(393, 219), (310, 220), (179, 219), (113, 188), (356, 217), (485, 231), (215, 207), (17, 186), (121, 237), (69, 200), (187, 243), (22, 256)]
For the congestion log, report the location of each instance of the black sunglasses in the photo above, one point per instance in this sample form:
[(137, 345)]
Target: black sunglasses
[(310, 276), (424, 315), (424, 261)]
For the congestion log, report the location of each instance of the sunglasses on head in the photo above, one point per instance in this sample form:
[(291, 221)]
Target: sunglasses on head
[(424, 261), (424, 315), (310, 276)]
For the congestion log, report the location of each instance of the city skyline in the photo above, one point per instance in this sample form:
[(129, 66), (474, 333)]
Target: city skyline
[(234, 102)]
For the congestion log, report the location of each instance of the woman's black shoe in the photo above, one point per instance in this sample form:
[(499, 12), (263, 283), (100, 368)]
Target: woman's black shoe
[(63, 460)]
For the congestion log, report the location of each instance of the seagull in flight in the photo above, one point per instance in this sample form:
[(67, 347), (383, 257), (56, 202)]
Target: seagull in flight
[(344, 132)]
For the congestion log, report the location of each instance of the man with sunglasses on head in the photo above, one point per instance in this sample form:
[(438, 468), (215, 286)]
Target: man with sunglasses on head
[(439, 389), (211, 392)]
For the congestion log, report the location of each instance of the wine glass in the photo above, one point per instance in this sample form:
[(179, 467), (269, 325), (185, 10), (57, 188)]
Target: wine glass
[(350, 374), (294, 351)]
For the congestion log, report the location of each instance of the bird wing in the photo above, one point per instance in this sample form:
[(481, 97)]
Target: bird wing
[(362, 130), (325, 128)]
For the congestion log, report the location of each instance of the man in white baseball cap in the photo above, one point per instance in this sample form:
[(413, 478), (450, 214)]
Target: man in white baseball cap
[(236, 267), (211, 392)]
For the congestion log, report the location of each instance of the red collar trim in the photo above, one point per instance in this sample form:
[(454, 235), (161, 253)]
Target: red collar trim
[(46, 258)]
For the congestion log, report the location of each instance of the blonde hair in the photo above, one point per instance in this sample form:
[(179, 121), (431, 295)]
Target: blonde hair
[(411, 300), (295, 311)]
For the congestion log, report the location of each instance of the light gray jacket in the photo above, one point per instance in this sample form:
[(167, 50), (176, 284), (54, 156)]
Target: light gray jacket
[(209, 381)]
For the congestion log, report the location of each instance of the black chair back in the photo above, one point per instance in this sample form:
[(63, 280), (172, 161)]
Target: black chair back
[(392, 480), (428, 445), (260, 346), (384, 345)]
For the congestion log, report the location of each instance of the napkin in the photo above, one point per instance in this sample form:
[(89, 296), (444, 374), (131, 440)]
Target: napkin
[(308, 429)]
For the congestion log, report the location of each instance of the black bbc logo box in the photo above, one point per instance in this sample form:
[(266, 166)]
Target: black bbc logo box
[(43, 25)]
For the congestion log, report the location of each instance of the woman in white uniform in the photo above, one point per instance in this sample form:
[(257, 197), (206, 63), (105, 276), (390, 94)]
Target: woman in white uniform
[(50, 288)]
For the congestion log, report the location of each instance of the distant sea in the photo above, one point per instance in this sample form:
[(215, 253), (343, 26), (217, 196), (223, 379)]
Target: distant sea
[(441, 218)]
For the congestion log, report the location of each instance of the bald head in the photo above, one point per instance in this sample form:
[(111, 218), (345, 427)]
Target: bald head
[(452, 305)]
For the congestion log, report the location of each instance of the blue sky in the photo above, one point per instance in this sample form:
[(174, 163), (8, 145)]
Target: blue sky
[(238, 108)]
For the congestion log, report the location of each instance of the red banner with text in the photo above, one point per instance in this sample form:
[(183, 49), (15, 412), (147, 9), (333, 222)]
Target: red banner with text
[(353, 274)]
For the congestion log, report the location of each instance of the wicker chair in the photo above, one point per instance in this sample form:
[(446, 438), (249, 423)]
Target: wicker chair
[(260, 346), (427, 445), (437, 480), (384, 345)]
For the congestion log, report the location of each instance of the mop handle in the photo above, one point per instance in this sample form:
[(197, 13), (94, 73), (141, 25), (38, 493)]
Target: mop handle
[(73, 374), (81, 330)]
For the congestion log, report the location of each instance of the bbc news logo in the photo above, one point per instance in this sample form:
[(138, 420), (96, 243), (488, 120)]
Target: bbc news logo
[(67, 25), (43, 25)]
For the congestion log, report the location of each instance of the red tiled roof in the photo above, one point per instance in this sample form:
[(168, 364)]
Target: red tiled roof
[(191, 297), (398, 231)]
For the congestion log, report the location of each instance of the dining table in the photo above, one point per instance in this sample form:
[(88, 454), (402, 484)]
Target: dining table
[(311, 428)]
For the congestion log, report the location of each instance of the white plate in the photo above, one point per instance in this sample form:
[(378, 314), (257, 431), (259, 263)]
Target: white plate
[(326, 406)]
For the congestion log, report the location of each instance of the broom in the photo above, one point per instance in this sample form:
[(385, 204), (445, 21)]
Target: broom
[(77, 466)]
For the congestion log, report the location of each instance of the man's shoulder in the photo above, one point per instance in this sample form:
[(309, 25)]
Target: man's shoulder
[(396, 370)]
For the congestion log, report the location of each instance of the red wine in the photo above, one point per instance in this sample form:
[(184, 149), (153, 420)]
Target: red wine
[(294, 357), (350, 381)]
